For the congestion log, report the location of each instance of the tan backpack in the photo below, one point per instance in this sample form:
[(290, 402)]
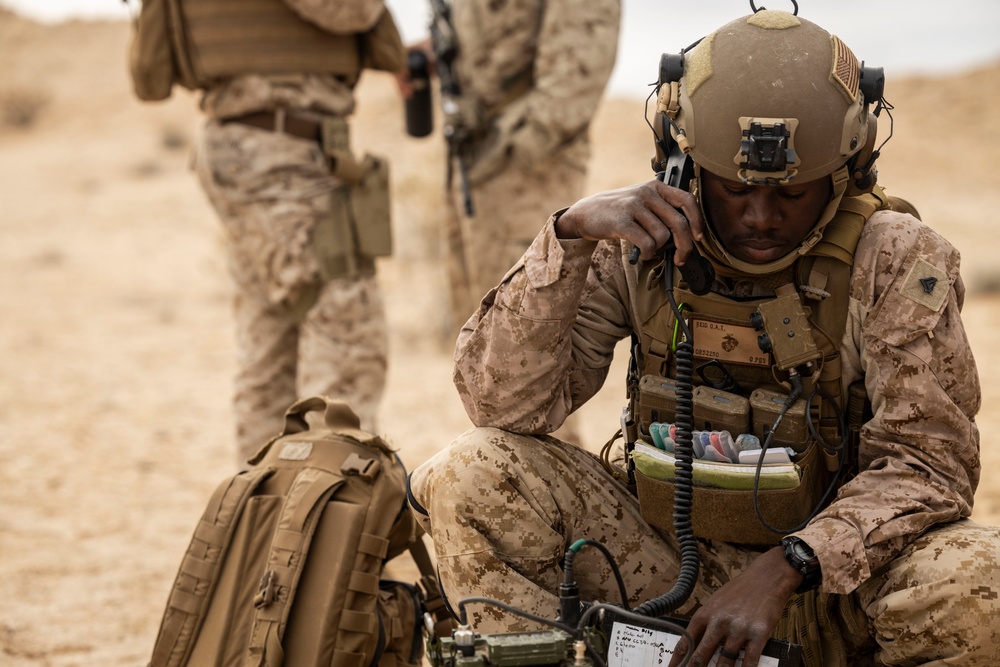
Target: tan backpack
[(285, 564)]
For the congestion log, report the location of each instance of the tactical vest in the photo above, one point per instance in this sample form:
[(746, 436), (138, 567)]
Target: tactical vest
[(224, 38), (723, 330), (195, 43)]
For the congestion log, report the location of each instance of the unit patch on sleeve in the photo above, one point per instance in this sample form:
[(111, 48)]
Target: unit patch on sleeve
[(927, 285)]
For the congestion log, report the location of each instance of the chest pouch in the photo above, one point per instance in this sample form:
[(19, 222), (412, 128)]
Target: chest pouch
[(748, 351)]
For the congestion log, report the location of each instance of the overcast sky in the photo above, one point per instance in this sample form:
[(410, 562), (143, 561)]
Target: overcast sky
[(903, 36)]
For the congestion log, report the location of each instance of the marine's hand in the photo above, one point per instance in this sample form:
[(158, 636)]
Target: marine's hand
[(742, 614), (647, 214)]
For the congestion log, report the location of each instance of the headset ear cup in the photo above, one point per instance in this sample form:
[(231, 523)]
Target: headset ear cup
[(864, 175)]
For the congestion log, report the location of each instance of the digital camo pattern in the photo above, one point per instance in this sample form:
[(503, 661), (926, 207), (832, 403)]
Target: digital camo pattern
[(503, 508), (511, 207), (553, 56), (245, 94), (937, 602), (542, 342), (919, 456), (296, 334), (532, 73)]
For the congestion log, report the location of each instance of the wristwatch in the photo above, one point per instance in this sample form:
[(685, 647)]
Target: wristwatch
[(800, 556)]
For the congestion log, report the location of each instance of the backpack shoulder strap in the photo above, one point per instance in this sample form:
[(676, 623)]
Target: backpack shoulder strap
[(199, 569), (296, 526)]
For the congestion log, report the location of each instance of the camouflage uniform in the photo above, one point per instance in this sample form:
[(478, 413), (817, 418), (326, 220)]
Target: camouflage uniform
[(907, 578), (532, 73), (298, 333)]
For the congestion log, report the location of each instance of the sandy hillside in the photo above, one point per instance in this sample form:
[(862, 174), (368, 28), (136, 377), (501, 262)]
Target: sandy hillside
[(116, 347)]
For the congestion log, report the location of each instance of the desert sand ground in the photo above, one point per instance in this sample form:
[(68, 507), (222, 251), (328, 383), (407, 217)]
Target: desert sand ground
[(116, 350)]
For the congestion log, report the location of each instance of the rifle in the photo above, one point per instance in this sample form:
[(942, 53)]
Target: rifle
[(456, 132)]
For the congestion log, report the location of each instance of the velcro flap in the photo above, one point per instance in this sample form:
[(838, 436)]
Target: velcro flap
[(363, 582), (373, 545), (356, 621)]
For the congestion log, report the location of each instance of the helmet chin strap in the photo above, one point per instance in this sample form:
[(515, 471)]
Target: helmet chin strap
[(727, 265)]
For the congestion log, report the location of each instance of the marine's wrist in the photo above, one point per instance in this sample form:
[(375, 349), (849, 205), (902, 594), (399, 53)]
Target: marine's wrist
[(787, 578), (565, 225)]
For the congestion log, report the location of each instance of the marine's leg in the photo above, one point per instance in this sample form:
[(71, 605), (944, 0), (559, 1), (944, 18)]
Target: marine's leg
[(267, 188), (266, 343), (503, 508), (344, 346), (938, 603)]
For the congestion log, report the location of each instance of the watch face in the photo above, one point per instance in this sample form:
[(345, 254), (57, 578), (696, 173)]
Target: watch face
[(802, 550)]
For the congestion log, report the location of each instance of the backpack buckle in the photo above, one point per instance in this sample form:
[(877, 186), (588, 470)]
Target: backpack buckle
[(366, 468), (267, 592)]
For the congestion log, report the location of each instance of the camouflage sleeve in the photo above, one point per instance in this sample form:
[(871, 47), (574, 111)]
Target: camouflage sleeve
[(541, 344), (576, 52), (919, 454)]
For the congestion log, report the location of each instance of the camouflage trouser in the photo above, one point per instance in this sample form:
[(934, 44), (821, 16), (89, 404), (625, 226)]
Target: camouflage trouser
[(510, 209), (502, 509), (298, 334), (338, 349)]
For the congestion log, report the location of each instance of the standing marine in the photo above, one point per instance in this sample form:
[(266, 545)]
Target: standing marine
[(304, 218), (530, 75)]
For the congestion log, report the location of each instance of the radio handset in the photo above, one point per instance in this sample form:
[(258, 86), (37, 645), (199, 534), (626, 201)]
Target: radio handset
[(697, 271)]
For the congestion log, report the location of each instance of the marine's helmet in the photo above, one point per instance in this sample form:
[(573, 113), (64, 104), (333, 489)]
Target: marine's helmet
[(771, 99)]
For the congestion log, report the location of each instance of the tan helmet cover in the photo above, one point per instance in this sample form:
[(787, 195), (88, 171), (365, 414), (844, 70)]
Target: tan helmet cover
[(771, 72)]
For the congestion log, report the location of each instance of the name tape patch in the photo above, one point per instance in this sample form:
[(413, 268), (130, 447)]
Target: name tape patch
[(727, 342)]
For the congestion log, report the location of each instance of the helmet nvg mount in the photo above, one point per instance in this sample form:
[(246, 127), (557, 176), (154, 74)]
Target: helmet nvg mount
[(769, 99)]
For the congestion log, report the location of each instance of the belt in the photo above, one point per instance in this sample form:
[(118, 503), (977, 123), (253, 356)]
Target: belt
[(281, 121)]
